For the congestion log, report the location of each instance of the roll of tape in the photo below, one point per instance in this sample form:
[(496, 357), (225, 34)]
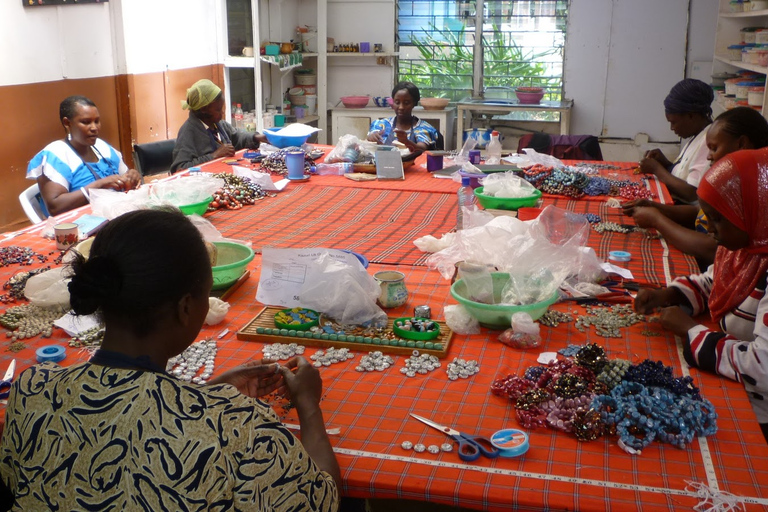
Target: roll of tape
[(52, 353), (620, 256), (511, 442)]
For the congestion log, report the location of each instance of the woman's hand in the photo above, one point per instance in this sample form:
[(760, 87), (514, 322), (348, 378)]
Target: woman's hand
[(303, 382), (254, 378), (258, 138), (114, 182), (224, 150), (676, 320), (646, 217), (375, 136), (652, 166), (628, 207), (647, 301), (657, 155), (131, 179)]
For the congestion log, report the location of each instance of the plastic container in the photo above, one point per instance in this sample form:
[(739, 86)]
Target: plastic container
[(305, 78), (735, 6), (510, 442), (498, 316), (761, 35), (748, 34), (730, 85), (283, 141), (759, 5), (196, 208), (336, 168), (493, 151), (301, 319), (231, 260), (355, 101), (466, 200), (755, 96), (415, 335), (734, 51), (742, 89), (762, 57), (506, 203)]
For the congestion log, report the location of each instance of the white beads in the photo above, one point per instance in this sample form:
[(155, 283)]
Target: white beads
[(282, 351), (186, 365), (421, 364), (331, 356), (375, 361), (459, 368)]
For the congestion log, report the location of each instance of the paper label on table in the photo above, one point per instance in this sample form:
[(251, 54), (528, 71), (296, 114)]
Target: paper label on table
[(547, 357), (613, 269), (284, 272), (73, 324), (260, 178)]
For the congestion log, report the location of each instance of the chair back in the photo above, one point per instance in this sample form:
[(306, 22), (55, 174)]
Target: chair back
[(32, 202), (565, 147), (154, 157), (439, 142)]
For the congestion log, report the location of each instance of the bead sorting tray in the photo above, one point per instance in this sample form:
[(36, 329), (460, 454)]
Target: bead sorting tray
[(262, 328)]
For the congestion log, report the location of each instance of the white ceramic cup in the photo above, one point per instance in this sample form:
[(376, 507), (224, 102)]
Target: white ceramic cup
[(248, 51), (66, 235)]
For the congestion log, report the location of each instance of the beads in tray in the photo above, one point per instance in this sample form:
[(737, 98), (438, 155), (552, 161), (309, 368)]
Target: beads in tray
[(297, 318), (275, 162), (384, 337)]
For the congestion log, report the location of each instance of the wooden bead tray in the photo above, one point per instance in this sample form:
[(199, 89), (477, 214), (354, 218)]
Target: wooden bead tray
[(265, 319)]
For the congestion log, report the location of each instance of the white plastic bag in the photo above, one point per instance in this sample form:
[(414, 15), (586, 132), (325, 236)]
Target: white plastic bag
[(506, 185), (459, 320), (185, 190), (525, 333), (217, 310), (211, 234), (49, 288)]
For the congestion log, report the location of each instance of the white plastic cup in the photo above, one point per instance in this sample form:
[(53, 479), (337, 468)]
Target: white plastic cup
[(311, 100)]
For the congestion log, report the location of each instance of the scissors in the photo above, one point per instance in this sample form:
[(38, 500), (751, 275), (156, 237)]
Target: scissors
[(5, 384), (470, 447)]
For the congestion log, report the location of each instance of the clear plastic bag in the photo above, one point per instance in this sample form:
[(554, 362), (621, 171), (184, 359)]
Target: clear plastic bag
[(459, 320), (49, 288), (478, 281), (211, 234), (183, 191), (217, 311), (351, 149), (524, 333), (506, 184)]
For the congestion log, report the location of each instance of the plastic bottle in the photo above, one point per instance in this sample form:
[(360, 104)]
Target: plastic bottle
[(238, 117), (466, 200), (493, 151), (335, 168)]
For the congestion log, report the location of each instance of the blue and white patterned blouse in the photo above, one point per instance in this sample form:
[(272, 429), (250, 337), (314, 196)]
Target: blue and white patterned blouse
[(421, 131), (60, 164)]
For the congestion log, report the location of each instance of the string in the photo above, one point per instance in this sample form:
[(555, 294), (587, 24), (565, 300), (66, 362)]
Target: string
[(712, 500)]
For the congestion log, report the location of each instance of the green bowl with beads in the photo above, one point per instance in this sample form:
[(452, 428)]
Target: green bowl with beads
[(284, 320), (506, 203), (415, 335)]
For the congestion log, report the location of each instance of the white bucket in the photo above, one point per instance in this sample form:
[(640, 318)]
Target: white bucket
[(311, 100), (309, 42)]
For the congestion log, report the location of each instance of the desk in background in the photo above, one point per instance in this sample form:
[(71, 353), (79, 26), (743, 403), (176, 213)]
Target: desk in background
[(480, 107), (352, 120)]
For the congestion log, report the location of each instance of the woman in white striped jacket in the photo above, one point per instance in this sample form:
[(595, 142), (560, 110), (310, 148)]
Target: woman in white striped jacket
[(734, 196)]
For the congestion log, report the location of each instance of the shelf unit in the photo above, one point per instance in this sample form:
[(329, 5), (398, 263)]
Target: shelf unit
[(350, 73), (729, 25)]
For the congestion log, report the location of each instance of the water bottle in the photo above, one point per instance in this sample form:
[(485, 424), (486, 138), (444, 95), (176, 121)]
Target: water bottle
[(466, 200), (238, 117), (493, 151), (335, 168)]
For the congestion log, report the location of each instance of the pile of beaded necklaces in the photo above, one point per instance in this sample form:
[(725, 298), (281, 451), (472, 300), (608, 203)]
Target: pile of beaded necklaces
[(590, 395), (236, 192), (572, 182)]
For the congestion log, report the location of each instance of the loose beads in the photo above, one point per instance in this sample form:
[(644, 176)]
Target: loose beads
[(198, 355), (553, 318), (15, 285), (592, 357), (236, 192), (420, 364), (331, 356), (613, 372), (459, 368), (570, 350), (16, 255), (375, 361), (433, 449), (598, 186), (608, 321), (282, 351), (89, 338), (613, 227), (406, 445), (587, 425), (28, 320)]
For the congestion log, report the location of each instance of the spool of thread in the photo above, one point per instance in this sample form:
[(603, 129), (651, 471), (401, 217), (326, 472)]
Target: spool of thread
[(619, 256), (511, 442), (52, 353)]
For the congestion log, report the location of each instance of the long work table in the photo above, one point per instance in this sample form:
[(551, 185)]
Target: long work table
[(371, 409)]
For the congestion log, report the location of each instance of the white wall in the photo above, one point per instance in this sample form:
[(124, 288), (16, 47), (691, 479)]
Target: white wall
[(44, 44)]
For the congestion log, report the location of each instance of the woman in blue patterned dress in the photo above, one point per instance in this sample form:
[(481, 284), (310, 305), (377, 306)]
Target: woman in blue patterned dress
[(417, 135), (67, 169), (119, 433)]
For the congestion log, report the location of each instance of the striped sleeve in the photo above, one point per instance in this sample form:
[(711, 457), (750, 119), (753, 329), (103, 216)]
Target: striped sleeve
[(696, 289)]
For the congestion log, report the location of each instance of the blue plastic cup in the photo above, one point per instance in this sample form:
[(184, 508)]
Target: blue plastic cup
[(294, 161)]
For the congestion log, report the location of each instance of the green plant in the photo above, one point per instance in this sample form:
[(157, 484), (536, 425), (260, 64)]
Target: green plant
[(444, 68)]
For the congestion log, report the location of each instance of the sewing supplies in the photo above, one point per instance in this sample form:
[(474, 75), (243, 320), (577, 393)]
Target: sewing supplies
[(281, 351), (470, 447), (608, 321), (619, 256), (510, 442), (28, 320), (50, 353), (5, 384), (422, 312)]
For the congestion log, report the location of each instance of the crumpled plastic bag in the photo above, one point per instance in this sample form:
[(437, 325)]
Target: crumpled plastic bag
[(506, 185), (49, 288), (211, 234), (185, 190), (524, 333), (477, 278), (532, 157), (458, 319), (351, 149), (110, 204), (217, 310)]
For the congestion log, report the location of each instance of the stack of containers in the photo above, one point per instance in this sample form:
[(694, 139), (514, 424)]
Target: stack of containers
[(306, 79)]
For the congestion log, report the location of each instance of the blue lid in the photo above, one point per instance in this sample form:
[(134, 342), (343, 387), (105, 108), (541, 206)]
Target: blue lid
[(465, 181)]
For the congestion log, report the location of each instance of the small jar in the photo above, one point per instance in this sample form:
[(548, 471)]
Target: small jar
[(755, 96), (759, 5), (730, 86), (736, 6), (734, 51), (742, 90)]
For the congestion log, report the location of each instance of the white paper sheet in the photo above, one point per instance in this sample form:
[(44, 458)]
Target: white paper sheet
[(73, 324), (613, 269)]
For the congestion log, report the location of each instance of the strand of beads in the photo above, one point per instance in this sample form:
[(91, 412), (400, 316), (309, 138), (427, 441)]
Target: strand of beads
[(281, 351), (459, 368), (15, 285), (16, 255), (612, 227), (375, 361), (331, 356), (89, 338), (635, 191), (198, 355), (28, 320), (420, 364)]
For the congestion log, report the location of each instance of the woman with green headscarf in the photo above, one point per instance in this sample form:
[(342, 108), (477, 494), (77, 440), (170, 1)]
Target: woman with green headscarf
[(205, 135)]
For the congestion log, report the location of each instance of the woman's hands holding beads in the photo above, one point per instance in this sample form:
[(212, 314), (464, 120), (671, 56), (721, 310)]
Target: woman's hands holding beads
[(254, 378), (658, 156), (628, 207), (648, 301), (646, 217), (676, 320)]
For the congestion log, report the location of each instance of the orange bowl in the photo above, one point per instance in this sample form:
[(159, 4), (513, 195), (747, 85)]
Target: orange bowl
[(434, 103), (355, 101)]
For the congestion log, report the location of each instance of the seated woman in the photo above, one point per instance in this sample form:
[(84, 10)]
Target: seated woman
[(205, 135), (689, 112), (734, 198), (118, 432), (684, 226), (415, 134), (67, 169)]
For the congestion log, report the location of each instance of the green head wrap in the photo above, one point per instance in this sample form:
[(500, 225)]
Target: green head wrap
[(202, 93)]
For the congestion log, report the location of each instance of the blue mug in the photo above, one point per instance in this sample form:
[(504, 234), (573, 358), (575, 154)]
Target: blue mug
[(294, 161)]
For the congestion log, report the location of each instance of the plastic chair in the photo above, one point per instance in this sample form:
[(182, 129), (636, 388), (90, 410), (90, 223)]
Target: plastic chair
[(32, 202), (154, 157)]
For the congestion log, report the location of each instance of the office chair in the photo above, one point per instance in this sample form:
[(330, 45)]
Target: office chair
[(154, 157)]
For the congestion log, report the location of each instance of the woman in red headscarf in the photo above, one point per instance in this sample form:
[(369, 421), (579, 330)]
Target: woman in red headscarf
[(734, 196)]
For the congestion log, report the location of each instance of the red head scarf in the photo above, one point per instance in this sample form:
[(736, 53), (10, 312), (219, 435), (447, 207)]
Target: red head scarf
[(737, 187)]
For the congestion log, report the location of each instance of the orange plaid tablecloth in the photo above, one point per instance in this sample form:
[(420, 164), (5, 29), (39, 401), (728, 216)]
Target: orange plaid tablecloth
[(558, 472)]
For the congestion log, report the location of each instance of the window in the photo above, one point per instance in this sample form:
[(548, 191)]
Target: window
[(523, 43)]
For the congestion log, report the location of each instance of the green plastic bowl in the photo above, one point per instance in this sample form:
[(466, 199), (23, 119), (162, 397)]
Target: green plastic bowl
[(415, 335), (506, 203), (498, 316), (231, 260), (196, 208)]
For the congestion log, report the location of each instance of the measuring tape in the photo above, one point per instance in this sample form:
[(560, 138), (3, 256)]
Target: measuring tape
[(536, 476)]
